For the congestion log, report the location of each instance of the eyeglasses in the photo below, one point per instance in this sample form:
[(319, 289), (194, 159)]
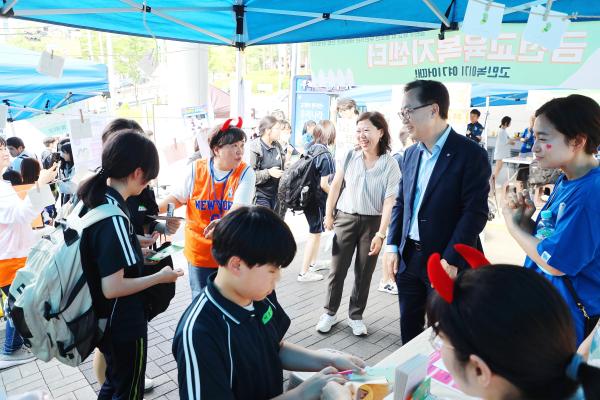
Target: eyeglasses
[(407, 112)]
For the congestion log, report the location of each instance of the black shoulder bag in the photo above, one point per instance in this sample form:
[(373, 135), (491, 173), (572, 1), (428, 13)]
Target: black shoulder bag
[(590, 321), (158, 297)]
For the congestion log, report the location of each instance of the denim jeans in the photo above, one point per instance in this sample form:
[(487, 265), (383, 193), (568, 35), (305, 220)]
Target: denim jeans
[(12, 340), (198, 276)]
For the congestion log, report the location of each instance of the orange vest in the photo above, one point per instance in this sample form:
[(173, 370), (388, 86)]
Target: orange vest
[(9, 268), (208, 200)]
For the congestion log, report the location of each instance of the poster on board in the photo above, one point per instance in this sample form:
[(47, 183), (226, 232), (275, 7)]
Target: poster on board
[(198, 121)]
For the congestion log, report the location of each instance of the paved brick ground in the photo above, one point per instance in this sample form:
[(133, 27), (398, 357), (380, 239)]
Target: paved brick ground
[(302, 301)]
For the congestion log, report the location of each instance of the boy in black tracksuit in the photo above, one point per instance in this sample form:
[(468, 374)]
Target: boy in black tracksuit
[(229, 342)]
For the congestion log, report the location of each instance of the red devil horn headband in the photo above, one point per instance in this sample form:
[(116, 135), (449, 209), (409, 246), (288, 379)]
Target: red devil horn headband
[(439, 278), (229, 121)]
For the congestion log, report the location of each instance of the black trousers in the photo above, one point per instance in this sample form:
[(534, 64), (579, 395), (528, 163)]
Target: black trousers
[(125, 367), (413, 289), (352, 232)]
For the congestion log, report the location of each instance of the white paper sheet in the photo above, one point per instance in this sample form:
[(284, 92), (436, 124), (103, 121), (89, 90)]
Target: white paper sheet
[(483, 19)]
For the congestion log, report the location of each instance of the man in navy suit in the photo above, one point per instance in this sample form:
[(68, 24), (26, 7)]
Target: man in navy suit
[(442, 199)]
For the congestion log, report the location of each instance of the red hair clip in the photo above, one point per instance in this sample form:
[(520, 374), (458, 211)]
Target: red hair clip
[(439, 278), (229, 121)]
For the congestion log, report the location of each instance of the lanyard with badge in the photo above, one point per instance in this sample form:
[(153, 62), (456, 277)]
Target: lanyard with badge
[(213, 191)]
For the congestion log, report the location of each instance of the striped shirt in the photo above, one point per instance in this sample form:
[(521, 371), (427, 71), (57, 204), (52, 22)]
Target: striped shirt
[(365, 190)]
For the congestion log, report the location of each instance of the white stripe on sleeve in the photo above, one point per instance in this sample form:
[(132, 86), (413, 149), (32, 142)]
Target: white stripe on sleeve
[(191, 362)]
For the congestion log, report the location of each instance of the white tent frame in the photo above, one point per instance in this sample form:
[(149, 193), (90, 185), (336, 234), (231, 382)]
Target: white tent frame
[(316, 17)]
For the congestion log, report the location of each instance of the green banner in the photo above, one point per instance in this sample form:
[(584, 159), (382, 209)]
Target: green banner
[(508, 59)]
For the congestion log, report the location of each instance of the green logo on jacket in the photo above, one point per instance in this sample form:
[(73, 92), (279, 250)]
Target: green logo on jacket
[(267, 315)]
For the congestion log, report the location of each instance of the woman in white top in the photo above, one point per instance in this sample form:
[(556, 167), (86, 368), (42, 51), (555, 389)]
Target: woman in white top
[(364, 209), (503, 144), (17, 238)]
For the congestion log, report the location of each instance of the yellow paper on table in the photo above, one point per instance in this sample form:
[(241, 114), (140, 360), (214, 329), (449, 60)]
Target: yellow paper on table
[(375, 389)]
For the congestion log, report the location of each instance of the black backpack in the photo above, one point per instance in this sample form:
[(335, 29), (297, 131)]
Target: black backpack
[(298, 186)]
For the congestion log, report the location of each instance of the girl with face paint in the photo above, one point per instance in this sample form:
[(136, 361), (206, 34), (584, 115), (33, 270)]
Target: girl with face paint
[(567, 135)]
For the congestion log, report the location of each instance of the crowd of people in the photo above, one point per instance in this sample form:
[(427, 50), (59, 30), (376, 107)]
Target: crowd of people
[(503, 331)]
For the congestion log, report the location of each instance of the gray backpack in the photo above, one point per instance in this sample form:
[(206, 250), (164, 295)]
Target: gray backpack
[(50, 302)]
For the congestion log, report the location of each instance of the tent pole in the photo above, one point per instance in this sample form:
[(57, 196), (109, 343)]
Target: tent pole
[(240, 84), (293, 73), (7, 7), (437, 12), (487, 113)]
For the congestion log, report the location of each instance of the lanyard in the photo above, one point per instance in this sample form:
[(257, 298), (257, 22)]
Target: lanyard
[(557, 186), (212, 188)]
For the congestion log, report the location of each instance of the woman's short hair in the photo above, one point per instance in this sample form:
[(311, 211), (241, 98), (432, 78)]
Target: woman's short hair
[(49, 140), (219, 138), (30, 170), (575, 116), (266, 123), (379, 121), (284, 124), (346, 103), (324, 133), (505, 121)]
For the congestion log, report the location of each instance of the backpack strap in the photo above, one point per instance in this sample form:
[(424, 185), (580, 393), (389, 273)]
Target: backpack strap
[(347, 161), (93, 216), (576, 298), (318, 153)]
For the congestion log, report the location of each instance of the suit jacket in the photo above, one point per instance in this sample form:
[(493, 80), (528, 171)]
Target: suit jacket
[(454, 207)]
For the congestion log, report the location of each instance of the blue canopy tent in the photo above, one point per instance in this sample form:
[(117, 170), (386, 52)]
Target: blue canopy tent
[(29, 93), (243, 23)]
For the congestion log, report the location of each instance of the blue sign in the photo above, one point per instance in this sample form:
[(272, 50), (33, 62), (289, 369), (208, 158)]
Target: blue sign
[(307, 105)]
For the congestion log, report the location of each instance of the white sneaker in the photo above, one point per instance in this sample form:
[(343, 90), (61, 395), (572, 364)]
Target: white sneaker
[(320, 266), (309, 276), (358, 327), (148, 384), (389, 287), (326, 322), (18, 357)]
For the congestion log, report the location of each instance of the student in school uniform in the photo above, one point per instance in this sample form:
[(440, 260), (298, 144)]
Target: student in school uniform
[(268, 159), (229, 342), (139, 207), (567, 135), (112, 261), (323, 136)]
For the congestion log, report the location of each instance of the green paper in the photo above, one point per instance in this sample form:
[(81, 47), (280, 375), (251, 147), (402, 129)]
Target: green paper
[(422, 391)]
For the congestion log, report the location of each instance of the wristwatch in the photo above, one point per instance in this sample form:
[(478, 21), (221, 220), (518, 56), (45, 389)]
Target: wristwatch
[(380, 235)]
